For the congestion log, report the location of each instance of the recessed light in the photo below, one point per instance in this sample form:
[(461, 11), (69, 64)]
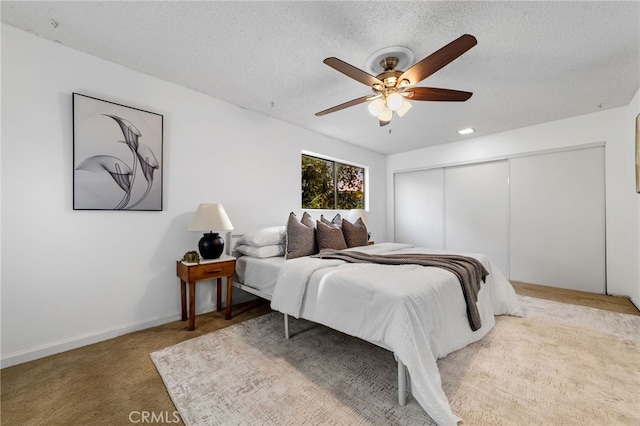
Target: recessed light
[(466, 131)]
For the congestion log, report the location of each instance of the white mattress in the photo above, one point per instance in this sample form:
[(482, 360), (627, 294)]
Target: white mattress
[(260, 274)]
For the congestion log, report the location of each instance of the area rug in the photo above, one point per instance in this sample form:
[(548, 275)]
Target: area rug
[(560, 365)]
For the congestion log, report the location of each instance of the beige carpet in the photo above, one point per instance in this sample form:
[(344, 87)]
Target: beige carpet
[(561, 365)]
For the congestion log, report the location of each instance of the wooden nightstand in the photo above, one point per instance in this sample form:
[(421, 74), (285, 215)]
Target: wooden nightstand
[(191, 273)]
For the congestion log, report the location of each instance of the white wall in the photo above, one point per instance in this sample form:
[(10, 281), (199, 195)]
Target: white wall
[(632, 203), (71, 278), (615, 127)]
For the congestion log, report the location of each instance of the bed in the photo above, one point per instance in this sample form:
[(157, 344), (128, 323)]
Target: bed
[(417, 312), (257, 275)]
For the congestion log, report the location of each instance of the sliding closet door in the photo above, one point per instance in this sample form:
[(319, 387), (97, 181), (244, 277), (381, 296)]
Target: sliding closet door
[(418, 208), (557, 219), (477, 210)]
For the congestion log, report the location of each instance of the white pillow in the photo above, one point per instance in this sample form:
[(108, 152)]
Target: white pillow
[(269, 236), (262, 252)]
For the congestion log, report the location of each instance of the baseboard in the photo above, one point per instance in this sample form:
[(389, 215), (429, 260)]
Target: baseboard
[(88, 339)]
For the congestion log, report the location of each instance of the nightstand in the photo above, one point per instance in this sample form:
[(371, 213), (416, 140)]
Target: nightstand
[(191, 273)]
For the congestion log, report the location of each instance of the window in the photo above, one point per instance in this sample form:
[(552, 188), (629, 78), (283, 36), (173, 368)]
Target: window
[(329, 185)]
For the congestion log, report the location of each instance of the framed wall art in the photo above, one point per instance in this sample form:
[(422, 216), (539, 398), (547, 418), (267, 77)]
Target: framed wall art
[(117, 156)]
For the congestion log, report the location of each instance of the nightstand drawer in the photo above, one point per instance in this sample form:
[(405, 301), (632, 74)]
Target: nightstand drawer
[(212, 270)]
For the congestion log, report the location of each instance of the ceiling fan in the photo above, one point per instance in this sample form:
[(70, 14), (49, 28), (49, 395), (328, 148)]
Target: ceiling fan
[(393, 87)]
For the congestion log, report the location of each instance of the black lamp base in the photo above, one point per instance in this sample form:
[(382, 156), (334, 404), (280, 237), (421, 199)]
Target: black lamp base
[(211, 245)]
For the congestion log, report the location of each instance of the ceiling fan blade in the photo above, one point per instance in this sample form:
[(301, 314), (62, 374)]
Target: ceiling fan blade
[(344, 105), (435, 94), (438, 59), (353, 72)]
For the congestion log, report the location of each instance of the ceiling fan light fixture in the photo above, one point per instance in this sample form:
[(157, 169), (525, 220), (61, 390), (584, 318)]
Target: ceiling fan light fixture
[(406, 106), (402, 84), (376, 107), (395, 101), (391, 82), (385, 114)]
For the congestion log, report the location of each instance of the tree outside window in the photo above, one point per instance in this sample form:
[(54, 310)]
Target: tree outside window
[(331, 185)]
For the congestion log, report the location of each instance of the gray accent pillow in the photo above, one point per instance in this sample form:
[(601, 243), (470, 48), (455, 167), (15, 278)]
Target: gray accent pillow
[(310, 223), (355, 234), (308, 220), (300, 239), (329, 237), (337, 220)]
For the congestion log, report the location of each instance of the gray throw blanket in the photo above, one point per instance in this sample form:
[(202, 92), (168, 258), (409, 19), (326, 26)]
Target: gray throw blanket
[(470, 271)]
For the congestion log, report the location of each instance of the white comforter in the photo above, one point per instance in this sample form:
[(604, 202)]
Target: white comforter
[(417, 312)]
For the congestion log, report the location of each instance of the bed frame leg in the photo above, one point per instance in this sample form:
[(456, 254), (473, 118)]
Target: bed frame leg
[(402, 383), (286, 326)]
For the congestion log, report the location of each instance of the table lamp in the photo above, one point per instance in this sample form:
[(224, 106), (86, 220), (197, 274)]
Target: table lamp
[(210, 218)]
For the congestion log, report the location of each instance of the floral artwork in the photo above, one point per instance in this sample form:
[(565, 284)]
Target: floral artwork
[(117, 156)]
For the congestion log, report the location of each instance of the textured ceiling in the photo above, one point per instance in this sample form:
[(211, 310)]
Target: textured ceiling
[(534, 62)]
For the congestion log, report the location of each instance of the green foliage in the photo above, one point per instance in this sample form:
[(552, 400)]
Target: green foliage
[(191, 257), (329, 185), (350, 187), (317, 183)]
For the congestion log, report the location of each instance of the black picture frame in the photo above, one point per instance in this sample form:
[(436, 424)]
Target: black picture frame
[(117, 156)]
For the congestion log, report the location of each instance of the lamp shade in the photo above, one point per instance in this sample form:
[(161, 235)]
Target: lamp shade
[(209, 218), (394, 101), (376, 106), (406, 106), (354, 214), (386, 114)]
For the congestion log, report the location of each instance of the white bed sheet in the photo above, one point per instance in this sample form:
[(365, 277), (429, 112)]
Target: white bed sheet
[(418, 312), (260, 274)]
